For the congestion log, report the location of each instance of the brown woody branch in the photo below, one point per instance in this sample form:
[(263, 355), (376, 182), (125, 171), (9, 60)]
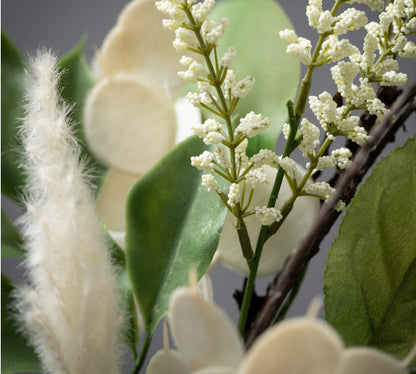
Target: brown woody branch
[(346, 186)]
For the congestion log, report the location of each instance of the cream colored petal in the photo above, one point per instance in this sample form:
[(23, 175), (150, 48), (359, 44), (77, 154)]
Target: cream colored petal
[(128, 125), (202, 332), (111, 203), (167, 361), (297, 346), (280, 245), (216, 370), (365, 360), (139, 45)]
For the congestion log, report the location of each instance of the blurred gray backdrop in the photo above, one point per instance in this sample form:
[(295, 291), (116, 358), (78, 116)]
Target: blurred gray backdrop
[(60, 24)]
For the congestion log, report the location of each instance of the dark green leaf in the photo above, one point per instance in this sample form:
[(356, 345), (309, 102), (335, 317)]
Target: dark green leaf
[(173, 224), (254, 31), (370, 279), (16, 355), (12, 71), (76, 81), (131, 330), (11, 241)]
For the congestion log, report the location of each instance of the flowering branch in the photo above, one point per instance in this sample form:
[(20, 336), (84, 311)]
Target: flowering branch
[(284, 282)]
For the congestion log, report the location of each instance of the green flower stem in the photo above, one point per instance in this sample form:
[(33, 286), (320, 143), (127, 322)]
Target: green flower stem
[(264, 235), (254, 263), (244, 238), (295, 114), (245, 306), (140, 360), (267, 231)]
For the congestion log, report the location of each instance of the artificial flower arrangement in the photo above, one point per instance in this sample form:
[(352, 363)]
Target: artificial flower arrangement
[(121, 225)]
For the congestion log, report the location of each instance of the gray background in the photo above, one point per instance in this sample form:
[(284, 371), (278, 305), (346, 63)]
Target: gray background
[(59, 25)]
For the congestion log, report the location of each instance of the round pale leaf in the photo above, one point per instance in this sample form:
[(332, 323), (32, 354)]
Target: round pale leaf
[(204, 335), (297, 346), (366, 360), (128, 125), (280, 245), (139, 45)]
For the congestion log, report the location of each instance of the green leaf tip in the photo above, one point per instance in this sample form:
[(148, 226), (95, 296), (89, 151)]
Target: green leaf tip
[(173, 224), (11, 241), (370, 278), (261, 54), (12, 72)]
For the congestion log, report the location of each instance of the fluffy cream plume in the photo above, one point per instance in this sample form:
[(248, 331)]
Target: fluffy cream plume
[(70, 309)]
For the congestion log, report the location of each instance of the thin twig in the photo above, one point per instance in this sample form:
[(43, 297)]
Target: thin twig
[(345, 186)]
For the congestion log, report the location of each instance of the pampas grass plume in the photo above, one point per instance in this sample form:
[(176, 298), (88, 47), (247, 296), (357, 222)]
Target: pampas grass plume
[(70, 307)]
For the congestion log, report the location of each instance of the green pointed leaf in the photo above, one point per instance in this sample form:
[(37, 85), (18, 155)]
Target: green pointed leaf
[(254, 31), (370, 279), (131, 329), (76, 81), (11, 241), (173, 224), (12, 70), (16, 354)]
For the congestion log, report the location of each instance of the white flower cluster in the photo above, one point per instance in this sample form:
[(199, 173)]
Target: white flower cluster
[(228, 57), (234, 195), (185, 13), (376, 63), (195, 69), (339, 157), (252, 124), (268, 215), (335, 49), (291, 168), (298, 47), (323, 191), (334, 120), (210, 131), (251, 173), (205, 161)]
